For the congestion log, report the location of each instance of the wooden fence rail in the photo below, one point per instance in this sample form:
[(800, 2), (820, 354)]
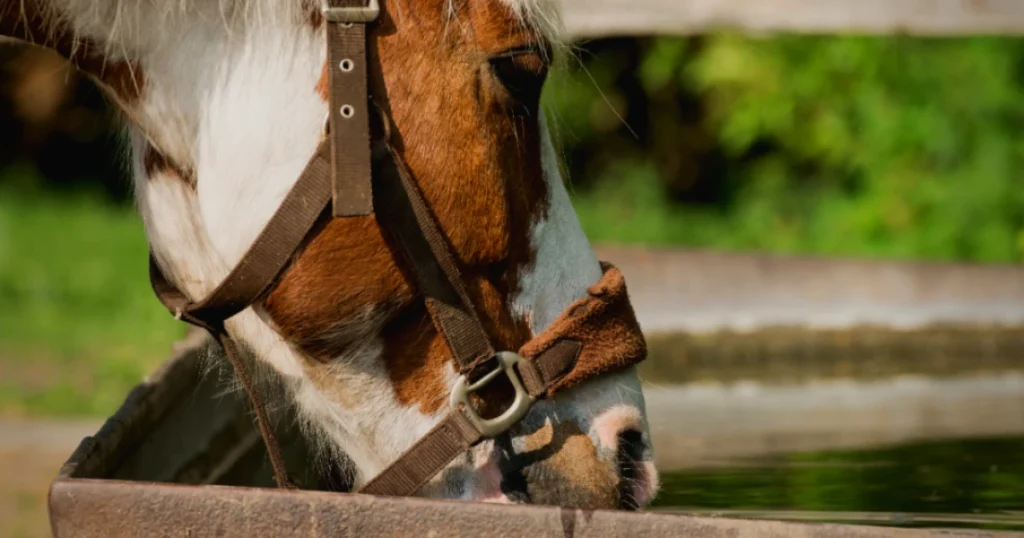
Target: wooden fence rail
[(606, 18)]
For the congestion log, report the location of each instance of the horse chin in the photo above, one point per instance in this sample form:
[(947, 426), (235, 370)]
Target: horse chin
[(500, 498), (590, 485), (571, 478)]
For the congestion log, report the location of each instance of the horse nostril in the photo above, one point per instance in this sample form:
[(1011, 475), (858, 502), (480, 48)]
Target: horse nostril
[(629, 454), (513, 485), (631, 445)]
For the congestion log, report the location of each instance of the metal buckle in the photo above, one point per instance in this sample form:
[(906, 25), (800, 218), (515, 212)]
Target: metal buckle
[(515, 412), (363, 14)]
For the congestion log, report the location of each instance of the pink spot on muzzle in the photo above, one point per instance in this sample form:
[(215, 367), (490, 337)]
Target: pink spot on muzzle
[(646, 484), (487, 482), (613, 422)]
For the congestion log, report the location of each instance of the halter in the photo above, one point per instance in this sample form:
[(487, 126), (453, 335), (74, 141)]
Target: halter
[(353, 174)]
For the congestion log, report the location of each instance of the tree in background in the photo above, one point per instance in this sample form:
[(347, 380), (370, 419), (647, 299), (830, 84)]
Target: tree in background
[(56, 124), (864, 146), (869, 146)]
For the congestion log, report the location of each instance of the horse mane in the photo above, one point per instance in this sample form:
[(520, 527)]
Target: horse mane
[(540, 15)]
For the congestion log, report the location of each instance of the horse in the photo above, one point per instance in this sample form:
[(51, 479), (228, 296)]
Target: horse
[(224, 103)]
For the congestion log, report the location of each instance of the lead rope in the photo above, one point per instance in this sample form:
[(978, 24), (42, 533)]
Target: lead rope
[(262, 420)]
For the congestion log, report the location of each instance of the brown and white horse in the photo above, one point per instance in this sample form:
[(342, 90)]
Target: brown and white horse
[(226, 101)]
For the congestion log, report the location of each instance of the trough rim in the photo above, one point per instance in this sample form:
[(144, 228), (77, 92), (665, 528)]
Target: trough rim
[(82, 505)]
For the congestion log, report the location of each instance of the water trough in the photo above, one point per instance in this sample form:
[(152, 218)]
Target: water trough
[(751, 355)]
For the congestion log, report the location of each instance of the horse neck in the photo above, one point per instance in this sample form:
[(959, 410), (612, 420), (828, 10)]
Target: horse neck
[(222, 106), (221, 138), (222, 112)]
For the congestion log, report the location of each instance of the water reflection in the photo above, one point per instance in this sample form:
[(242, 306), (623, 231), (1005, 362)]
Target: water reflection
[(975, 483)]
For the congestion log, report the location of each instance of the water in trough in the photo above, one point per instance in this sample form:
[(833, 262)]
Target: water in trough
[(968, 483)]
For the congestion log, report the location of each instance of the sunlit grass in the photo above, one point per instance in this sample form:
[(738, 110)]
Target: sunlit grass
[(79, 325)]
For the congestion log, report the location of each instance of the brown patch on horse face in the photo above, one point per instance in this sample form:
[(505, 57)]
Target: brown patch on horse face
[(28, 21), (323, 85), (478, 166), (567, 470), (156, 162)]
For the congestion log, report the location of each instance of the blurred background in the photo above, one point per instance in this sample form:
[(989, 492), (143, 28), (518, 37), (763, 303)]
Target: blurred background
[(891, 148)]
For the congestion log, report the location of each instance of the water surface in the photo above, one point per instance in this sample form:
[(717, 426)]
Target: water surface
[(971, 483)]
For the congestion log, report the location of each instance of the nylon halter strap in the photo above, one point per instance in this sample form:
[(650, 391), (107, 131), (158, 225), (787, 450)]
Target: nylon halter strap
[(597, 334)]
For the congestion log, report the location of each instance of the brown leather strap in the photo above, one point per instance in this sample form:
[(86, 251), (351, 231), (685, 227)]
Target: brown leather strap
[(277, 463), (266, 258), (341, 171), (541, 373), (349, 115), (405, 216), (452, 436)]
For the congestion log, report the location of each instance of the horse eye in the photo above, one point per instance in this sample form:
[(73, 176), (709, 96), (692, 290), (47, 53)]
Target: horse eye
[(522, 74)]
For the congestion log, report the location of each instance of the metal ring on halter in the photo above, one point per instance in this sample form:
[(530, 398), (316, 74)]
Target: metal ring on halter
[(351, 14), (516, 411)]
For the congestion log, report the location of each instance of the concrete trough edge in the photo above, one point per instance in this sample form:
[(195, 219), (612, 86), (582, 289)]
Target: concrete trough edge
[(86, 508)]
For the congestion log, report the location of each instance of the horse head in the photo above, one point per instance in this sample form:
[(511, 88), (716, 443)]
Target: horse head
[(227, 101)]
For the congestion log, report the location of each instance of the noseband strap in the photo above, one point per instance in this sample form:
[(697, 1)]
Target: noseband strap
[(595, 335)]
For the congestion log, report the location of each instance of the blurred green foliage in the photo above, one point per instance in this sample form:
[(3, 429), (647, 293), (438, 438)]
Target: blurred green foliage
[(865, 146), (79, 325)]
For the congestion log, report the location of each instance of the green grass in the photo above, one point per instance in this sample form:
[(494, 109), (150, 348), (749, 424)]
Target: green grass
[(79, 325)]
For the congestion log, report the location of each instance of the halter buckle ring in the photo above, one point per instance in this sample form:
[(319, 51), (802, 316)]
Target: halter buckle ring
[(351, 14), (516, 411)]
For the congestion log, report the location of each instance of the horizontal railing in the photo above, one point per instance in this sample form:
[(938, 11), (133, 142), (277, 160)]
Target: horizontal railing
[(605, 18)]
